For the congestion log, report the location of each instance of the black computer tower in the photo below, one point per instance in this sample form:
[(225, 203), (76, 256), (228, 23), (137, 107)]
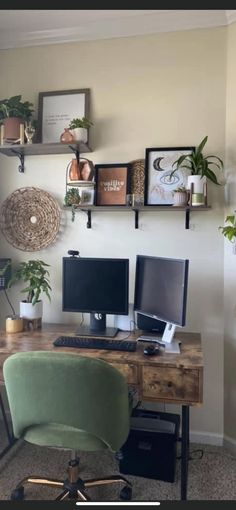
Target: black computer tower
[(151, 448)]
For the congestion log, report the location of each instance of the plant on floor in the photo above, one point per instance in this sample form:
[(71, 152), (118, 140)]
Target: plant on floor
[(35, 274), (199, 164), (229, 231)]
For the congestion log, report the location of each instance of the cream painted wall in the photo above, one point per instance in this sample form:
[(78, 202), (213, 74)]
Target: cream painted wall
[(230, 258), (150, 91)]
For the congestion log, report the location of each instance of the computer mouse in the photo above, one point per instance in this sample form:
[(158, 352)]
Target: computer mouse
[(150, 350)]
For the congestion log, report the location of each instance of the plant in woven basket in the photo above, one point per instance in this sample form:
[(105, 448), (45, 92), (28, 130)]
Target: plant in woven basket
[(72, 198), (35, 274)]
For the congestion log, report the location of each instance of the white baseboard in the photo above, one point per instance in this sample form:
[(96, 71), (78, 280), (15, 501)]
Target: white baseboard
[(206, 438), (230, 444)]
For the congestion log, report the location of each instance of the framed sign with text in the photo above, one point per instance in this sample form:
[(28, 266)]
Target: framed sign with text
[(56, 110)]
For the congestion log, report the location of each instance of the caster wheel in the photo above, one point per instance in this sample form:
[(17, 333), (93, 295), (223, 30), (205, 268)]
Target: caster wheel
[(126, 494), (119, 455), (18, 494)]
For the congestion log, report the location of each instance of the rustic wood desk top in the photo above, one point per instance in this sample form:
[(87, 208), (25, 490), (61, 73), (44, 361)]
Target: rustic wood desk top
[(170, 378)]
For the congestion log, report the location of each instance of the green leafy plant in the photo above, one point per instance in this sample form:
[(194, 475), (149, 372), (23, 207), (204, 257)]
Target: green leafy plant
[(229, 231), (80, 123), (14, 107), (199, 164), (36, 276), (72, 198)]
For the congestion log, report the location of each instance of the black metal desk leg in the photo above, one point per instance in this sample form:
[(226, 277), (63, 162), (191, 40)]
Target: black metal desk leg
[(184, 451), (9, 436)]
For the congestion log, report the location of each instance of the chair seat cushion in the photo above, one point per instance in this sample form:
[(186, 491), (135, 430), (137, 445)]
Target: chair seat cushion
[(63, 436)]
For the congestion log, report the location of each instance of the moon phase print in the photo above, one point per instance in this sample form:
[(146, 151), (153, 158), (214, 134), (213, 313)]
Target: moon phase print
[(159, 184)]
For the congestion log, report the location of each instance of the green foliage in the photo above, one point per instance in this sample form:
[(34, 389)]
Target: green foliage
[(72, 198), (229, 231), (34, 273), (80, 123), (199, 164), (14, 107), (181, 189)]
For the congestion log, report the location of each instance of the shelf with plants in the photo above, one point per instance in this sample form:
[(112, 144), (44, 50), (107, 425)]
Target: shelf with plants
[(40, 149), (88, 209)]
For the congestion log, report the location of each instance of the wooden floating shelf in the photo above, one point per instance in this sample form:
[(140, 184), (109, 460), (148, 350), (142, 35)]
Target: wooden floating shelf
[(145, 208), (40, 149)]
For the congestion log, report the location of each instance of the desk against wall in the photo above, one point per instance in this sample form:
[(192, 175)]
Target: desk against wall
[(169, 378)]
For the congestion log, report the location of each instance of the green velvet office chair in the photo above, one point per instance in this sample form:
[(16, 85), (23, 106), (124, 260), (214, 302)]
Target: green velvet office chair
[(65, 401)]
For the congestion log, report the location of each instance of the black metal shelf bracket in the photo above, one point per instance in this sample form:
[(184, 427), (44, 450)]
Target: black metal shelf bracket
[(21, 157), (187, 218), (89, 222), (76, 151), (136, 218)]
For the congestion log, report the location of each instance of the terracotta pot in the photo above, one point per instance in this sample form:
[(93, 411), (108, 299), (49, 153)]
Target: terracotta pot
[(66, 136), (12, 127), (74, 172)]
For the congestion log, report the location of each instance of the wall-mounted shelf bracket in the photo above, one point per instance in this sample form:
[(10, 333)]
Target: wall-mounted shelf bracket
[(136, 218), (76, 151), (187, 218), (21, 157), (89, 216)]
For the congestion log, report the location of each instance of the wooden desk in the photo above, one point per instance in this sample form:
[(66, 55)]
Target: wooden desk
[(169, 378)]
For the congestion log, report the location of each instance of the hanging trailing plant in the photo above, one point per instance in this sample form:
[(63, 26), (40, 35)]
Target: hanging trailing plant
[(229, 230), (72, 198)]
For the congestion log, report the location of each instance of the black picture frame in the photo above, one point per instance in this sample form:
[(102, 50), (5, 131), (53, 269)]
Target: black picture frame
[(112, 184), (158, 190), (57, 108)]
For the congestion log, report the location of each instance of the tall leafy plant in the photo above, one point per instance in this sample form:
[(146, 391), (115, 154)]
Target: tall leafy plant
[(229, 230), (35, 274), (198, 164), (14, 107)]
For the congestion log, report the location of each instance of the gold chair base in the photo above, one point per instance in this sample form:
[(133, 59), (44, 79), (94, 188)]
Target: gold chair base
[(74, 487)]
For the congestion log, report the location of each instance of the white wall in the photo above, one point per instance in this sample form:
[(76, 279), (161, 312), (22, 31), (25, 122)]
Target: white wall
[(150, 91), (230, 258)]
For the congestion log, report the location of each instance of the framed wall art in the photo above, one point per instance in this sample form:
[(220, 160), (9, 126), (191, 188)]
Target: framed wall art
[(112, 183), (87, 196), (57, 108), (159, 185)]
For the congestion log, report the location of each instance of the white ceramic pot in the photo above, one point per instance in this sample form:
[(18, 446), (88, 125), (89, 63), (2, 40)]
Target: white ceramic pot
[(180, 198), (198, 183), (29, 311), (80, 134)]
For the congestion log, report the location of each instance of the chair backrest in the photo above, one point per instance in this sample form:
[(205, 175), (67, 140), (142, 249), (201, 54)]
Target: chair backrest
[(82, 392)]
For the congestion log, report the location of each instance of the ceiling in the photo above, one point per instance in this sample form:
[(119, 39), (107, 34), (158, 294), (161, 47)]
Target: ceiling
[(20, 28)]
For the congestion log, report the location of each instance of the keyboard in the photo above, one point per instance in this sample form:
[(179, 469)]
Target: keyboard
[(95, 343)]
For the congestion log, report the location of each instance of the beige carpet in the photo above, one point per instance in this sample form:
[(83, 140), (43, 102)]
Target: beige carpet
[(211, 478)]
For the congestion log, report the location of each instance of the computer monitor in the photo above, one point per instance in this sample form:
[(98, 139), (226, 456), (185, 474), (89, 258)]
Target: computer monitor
[(98, 286), (161, 293)]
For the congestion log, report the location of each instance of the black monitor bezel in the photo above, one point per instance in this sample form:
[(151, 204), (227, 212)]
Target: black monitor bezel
[(184, 300), (125, 311)]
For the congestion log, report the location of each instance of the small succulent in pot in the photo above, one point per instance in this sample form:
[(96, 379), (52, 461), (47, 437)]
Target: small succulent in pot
[(72, 198), (80, 123)]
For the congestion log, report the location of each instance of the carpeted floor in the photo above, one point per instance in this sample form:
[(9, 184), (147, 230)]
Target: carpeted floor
[(211, 478)]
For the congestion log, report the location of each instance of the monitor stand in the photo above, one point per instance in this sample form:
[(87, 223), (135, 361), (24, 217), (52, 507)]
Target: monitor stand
[(166, 340), (97, 327)]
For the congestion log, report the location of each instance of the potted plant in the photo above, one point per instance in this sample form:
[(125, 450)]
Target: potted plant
[(199, 166), (72, 198), (13, 112), (35, 274), (229, 231), (180, 197), (79, 128)]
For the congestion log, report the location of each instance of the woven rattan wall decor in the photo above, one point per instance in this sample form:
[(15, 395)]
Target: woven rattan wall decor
[(30, 219)]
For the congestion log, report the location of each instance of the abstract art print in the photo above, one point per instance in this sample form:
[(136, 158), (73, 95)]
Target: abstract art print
[(159, 184)]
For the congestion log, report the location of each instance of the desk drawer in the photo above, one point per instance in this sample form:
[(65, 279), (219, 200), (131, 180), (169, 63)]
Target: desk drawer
[(129, 371), (171, 384)]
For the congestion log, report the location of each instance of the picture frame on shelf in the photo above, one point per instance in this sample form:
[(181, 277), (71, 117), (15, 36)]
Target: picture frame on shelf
[(57, 108), (87, 196), (112, 184), (159, 185)]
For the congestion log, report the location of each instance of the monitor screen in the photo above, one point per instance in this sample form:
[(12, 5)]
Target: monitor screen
[(98, 286), (161, 288)]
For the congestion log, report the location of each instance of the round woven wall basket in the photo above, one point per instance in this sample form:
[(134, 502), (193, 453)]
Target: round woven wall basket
[(137, 176), (30, 219)]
